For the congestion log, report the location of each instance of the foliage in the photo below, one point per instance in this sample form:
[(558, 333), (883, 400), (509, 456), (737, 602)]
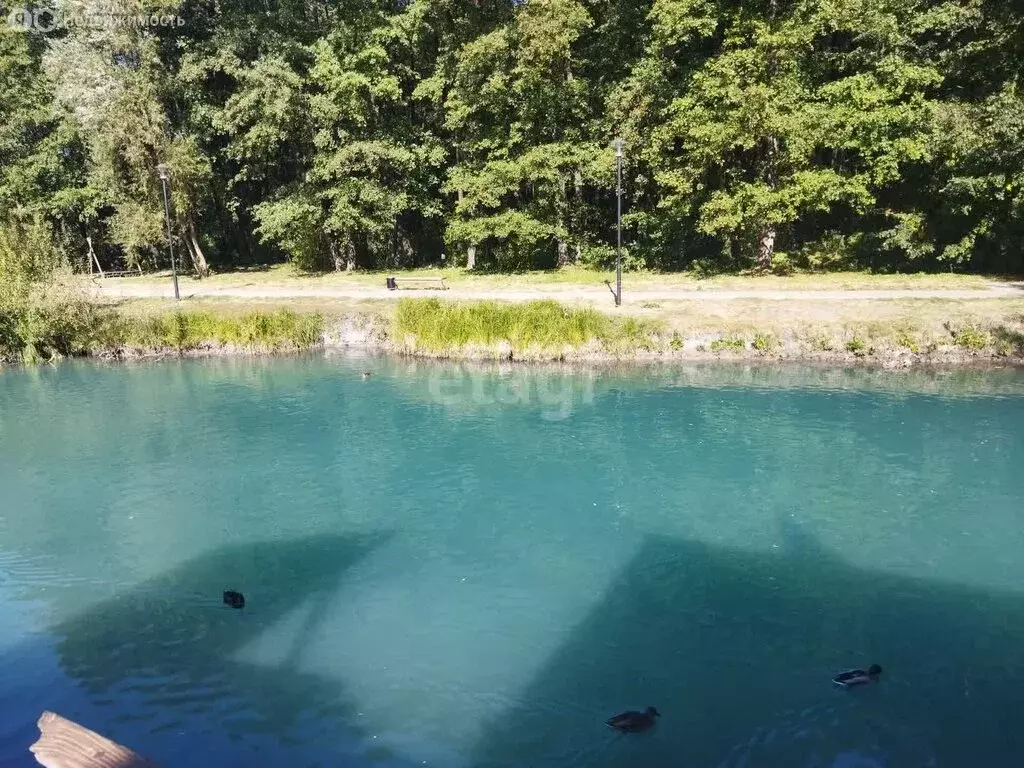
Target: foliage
[(781, 136), (731, 344), (43, 315), (765, 342), (187, 330), (443, 325), (970, 337), (822, 342), (857, 346), (905, 340)]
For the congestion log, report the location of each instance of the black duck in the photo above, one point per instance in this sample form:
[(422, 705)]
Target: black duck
[(854, 677), (633, 721)]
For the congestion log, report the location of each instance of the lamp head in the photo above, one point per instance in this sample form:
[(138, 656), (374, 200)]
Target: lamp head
[(163, 172)]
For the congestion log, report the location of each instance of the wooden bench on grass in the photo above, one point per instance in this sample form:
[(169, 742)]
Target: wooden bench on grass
[(394, 283)]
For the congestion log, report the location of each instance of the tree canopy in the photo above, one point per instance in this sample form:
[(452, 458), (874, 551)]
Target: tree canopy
[(386, 133)]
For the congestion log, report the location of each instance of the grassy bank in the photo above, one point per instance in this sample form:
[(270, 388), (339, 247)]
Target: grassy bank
[(98, 330), (184, 331), (546, 330), (532, 328), (894, 334)]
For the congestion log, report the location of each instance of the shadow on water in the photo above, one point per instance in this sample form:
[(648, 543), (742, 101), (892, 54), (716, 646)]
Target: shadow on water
[(737, 650), (168, 656)]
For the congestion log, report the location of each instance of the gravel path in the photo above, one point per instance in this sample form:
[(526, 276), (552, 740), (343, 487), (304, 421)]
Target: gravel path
[(128, 288)]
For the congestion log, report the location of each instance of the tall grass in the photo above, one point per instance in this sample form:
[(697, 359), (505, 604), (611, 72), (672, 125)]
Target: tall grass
[(43, 314), (188, 330), (547, 325)]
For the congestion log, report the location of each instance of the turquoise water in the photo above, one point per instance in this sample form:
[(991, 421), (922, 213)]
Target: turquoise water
[(453, 566)]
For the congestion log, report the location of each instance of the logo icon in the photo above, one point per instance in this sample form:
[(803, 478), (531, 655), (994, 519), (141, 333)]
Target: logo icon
[(19, 18), (44, 20)]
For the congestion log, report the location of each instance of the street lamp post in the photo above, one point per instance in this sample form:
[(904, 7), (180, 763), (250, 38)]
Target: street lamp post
[(618, 221), (164, 177)]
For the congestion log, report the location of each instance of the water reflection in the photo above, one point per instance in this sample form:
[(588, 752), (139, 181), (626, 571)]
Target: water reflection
[(173, 649), (567, 544), (736, 649)]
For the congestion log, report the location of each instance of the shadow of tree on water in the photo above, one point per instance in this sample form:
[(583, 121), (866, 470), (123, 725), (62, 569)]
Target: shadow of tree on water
[(163, 664), (737, 650)]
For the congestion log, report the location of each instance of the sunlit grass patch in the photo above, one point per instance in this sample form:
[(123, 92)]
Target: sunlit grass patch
[(447, 325), (184, 330)]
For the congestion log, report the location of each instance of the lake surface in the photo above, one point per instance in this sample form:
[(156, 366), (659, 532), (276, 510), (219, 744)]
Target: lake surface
[(454, 566)]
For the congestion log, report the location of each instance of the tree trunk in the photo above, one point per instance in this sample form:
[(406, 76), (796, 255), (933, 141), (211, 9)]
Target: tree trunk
[(577, 224), (471, 249), (350, 255), (199, 262), (336, 260), (563, 254), (766, 237), (766, 247)]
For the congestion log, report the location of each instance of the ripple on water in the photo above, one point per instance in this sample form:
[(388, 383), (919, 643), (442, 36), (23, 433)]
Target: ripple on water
[(536, 576)]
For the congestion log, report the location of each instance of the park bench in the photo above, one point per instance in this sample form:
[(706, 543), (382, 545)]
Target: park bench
[(394, 283)]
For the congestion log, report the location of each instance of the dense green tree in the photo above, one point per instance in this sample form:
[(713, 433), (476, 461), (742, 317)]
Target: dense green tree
[(982, 175), (771, 121), (42, 158), (520, 117), (375, 133)]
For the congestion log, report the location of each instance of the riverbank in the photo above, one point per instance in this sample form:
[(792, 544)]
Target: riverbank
[(550, 332), (865, 320)]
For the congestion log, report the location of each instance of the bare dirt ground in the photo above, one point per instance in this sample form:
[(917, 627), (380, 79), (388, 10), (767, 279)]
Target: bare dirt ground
[(634, 296)]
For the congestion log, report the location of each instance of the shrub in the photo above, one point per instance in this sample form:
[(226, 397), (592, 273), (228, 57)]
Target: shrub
[(734, 344), (43, 314), (706, 267), (765, 342), (1008, 341), (58, 320), (905, 340), (832, 252), (823, 343), (971, 338), (782, 264), (857, 345)]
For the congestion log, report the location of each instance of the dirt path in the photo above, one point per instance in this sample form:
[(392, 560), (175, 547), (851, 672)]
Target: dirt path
[(129, 288)]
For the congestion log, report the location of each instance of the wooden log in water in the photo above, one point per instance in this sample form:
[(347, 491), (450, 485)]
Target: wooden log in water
[(64, 744)]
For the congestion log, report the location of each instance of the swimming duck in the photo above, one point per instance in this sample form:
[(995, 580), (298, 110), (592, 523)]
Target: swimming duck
[(234, 599), (367, 374), (633, 721), (854, 677)]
